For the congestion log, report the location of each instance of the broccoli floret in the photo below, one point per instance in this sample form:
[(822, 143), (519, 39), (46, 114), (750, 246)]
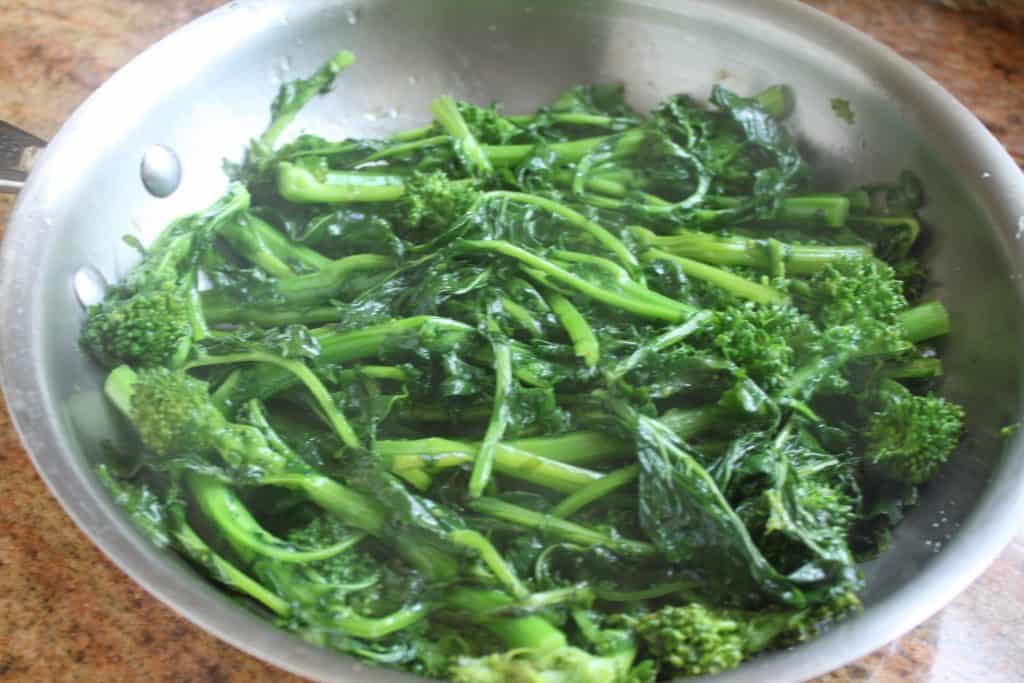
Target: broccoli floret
[(761, 339), (831, 507), (693, 640), (173, 413), (433, 201), (150, 328), (908, 436), (561, 665), (150, 320), (849, 291), (538, 652), (488, 125)]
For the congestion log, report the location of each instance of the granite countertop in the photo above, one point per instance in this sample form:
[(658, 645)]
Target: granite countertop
[(66, 613)]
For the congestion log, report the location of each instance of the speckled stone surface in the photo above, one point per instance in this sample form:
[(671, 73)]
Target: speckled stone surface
[(67, 614)]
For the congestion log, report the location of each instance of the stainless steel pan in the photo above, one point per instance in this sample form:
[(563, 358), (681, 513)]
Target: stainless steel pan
[(205, 90)]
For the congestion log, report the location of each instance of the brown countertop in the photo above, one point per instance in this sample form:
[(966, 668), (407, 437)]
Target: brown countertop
[(67, 614)]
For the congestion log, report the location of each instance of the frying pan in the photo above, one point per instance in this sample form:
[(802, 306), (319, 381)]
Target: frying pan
[(205, 90)]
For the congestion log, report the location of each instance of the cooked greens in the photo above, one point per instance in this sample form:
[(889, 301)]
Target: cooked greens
[(584, 395)]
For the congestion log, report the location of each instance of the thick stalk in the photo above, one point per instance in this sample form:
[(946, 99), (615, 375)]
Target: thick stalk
[(559, 528), (298, 185), (540, 265), (730, 282), (584, 342), (432, 454), (595, 491), (799, 259)]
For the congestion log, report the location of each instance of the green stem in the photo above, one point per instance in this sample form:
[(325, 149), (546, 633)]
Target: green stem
[(584, 342), (537, 264), (510, 459), (730, 282), (234, 521), (799, 259), (446, 112), (522, 316), (577, 220), (574, 448), (531, 632), (223, 571), (512, 155), (467, 538), (500, 415), (919, 368), (220, 310), (925, 321), (298, 185), (831, 210), (406, 147), (559, 528), (251, 246), (375, 628), (295, 95), (285, 249), (323, 398), (595, 491), (298, 290)]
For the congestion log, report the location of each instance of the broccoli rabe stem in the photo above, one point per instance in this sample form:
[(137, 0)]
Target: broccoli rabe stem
[(297, 290), (511, 155), (571, 119), (304, 591), (220, 569), (432, 454), (221, 310), (595, 491), (530, 632), (730, 282), (641, 301), (830, 210), (335, 418), (250, 245), (575, 448), (480, 477), (267, 247), (584, 342), (228, 514), (297, 94), (559, 528), (925, 321), (575, 219), (446, 112), (799, 259), (296, 184), (477, 542), (403, 148)]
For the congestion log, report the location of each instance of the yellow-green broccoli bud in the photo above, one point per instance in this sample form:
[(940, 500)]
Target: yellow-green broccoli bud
[(909, 437), (147, 329), (693, 640)]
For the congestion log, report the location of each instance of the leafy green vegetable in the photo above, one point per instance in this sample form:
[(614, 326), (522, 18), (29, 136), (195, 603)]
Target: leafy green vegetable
[(584, 395)]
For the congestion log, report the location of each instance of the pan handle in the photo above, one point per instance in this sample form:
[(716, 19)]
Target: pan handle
[(18, 150)]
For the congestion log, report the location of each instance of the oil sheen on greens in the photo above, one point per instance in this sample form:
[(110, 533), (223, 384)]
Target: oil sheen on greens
[(583, 395)]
